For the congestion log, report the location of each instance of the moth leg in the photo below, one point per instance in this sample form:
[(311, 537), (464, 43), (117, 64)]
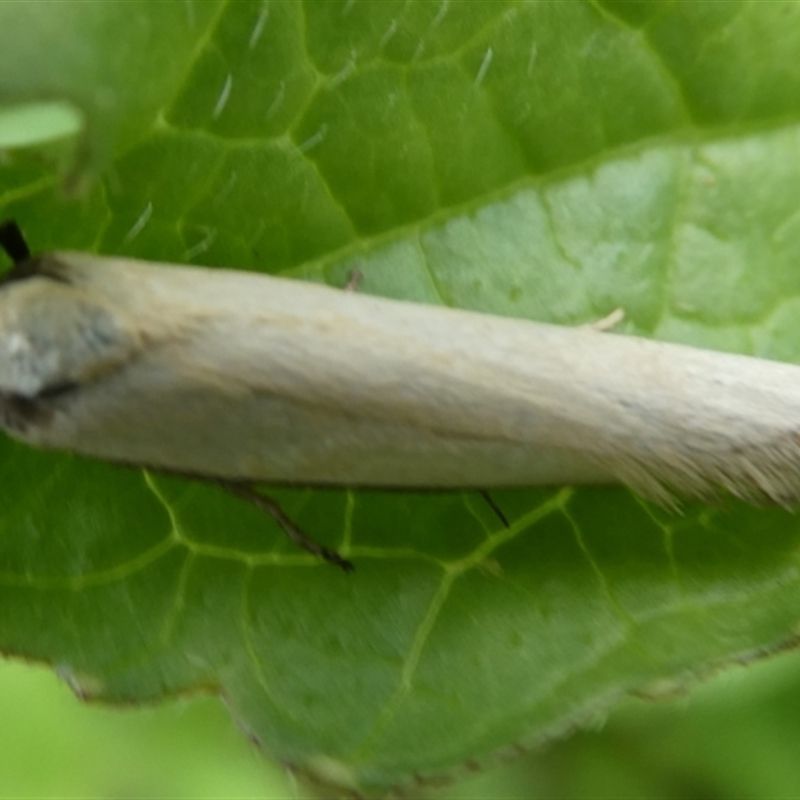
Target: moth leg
[(354, 280), (496, 508), (246, 492), (607, 322)]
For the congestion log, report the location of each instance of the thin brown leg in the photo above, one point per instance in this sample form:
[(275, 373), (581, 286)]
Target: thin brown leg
[(246, 492)]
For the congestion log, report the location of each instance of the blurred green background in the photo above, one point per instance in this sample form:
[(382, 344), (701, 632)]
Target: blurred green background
[(734, 737)]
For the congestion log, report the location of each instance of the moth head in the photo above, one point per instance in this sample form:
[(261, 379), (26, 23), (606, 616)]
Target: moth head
[(54, 335)]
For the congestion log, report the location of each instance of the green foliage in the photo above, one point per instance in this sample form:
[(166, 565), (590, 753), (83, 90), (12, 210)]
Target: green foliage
[(551, 161)]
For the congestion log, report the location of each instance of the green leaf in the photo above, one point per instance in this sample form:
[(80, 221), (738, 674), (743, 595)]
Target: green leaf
[(550, 161)]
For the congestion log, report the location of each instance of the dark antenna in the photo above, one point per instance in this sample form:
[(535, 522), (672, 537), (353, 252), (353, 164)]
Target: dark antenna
[(13, 242)]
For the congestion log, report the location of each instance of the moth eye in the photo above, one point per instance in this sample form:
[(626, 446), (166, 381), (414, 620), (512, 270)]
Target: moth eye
[(52, 335), (18, 414)]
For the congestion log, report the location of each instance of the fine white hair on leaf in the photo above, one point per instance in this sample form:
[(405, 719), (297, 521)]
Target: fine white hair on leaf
[(246, 377), (142, 220), (444, 7), (315, 139), (484, 67), (201, 246), (532, 56), (389, 34), (223, 98), (258, 28)]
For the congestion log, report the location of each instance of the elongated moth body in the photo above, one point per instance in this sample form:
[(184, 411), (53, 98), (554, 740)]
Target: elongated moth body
[(253, 378)]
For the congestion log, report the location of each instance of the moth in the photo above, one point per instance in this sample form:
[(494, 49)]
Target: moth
[(249, 379)]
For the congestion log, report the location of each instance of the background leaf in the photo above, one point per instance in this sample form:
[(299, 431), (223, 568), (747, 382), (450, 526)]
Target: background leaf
[(551, 161)]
